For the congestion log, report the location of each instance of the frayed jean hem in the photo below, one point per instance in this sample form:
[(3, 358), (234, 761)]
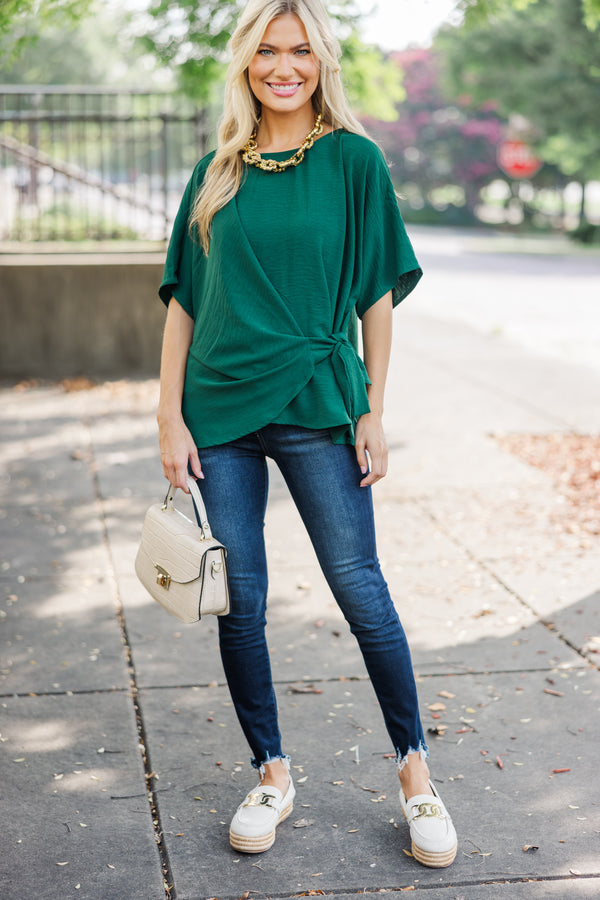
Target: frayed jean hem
[(402, 759), (269, 759)]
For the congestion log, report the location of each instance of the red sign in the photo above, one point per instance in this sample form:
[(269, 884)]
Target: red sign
[(517, 160)]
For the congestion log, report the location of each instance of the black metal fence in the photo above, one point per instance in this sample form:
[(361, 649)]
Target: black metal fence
[(94, 164)]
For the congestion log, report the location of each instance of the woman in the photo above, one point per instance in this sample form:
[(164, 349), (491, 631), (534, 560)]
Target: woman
[(286, 234)]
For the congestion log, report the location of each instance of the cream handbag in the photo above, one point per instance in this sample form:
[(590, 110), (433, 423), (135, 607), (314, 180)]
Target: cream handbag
[(180, 563)]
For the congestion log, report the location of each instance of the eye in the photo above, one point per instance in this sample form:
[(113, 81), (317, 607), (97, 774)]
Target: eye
[(265, 52), (303, 52)]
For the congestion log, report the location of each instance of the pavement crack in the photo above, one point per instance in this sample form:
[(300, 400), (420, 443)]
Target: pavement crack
[(542, 620), (149, 773), (490, 878)]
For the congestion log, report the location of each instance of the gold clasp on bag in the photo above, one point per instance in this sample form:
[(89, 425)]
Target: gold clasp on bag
[(163, 578), (216, 568)]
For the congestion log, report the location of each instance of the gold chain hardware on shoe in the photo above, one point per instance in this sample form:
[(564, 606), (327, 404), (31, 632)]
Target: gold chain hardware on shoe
[(260, 799), (429, 811)]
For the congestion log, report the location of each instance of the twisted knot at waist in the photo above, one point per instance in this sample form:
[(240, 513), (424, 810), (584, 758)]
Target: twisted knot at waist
[(348, 367)]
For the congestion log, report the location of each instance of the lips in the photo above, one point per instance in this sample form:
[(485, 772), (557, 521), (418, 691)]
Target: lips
[(284, 88)]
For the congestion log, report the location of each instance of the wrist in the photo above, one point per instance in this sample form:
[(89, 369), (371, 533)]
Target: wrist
[(375, 408), (168, 414), (375, 398)]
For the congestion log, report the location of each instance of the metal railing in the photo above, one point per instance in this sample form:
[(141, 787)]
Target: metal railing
[(80, 163)]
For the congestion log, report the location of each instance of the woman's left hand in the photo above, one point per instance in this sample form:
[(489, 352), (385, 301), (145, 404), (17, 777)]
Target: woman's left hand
[(370, 439)]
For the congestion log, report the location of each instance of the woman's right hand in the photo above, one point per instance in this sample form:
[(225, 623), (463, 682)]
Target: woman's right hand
[(177, 448)]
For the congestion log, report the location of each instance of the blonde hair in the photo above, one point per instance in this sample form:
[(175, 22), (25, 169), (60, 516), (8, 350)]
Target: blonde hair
[(242, 111)]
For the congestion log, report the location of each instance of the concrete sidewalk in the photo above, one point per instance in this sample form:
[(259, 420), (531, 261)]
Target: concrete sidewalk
[(122, 761)]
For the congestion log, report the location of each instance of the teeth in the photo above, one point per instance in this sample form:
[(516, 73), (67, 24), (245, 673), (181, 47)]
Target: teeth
[(284, 87)]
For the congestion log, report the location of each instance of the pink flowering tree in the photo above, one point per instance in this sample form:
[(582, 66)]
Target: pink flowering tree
[(436, 143)]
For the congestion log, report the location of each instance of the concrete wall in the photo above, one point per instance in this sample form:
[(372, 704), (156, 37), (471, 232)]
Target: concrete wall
[(80, 314)]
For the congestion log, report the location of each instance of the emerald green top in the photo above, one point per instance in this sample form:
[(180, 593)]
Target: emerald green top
[(294, 258)]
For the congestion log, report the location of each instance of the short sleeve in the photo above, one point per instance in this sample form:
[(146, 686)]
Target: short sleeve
[(386, 258), (185, 262)]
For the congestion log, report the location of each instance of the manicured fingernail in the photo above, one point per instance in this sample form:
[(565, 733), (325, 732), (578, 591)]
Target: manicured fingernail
[(201, 475), (364, 470)]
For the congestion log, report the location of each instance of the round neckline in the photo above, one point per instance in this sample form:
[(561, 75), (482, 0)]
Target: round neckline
[(284, 153)]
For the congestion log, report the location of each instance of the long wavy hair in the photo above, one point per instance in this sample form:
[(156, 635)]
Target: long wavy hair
[(241, 111)]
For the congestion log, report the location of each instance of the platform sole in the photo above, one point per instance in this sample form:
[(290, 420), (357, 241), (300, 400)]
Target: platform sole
[(434, 860), (261, 842)]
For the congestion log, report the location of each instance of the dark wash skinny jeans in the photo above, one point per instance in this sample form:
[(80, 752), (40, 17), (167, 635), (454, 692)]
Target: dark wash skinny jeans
[(324, 481)]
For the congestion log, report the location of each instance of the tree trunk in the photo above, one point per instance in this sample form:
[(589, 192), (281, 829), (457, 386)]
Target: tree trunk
[(582, 218)]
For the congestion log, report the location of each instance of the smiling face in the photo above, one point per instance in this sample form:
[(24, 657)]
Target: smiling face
[(284, 73)]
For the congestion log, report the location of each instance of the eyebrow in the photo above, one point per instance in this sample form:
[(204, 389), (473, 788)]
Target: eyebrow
[(272, 46)]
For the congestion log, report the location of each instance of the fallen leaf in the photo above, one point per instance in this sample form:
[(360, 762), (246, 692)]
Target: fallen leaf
[(574, 871), (438, 730), (304, 689), (408, 853), (446, 694), (62, 864), (363, 788), (554, 693), (499, 763), (437, 707), (303, 823), (558, 771), (530, 848), (301, 780)]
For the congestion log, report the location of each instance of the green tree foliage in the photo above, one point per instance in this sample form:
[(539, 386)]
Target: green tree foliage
[(21, 21), (103, 57), (192, 36), (542, 63), (479, 12)]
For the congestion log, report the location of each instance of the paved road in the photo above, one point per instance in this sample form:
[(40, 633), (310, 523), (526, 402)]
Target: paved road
[(534, 292)]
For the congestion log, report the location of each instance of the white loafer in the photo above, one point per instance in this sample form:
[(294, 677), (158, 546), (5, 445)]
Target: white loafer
[(253, 826), (432, 834)]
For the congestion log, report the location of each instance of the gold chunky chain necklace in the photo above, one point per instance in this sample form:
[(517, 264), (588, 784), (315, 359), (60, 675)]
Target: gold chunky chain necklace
[(251, 155)]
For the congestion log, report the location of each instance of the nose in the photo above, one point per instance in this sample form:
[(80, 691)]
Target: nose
[(284, 66)]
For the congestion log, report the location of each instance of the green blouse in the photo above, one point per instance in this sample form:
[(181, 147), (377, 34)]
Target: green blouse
[(294, 258)]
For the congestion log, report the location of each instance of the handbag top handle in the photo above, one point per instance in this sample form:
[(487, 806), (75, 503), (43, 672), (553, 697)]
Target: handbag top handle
[(198, 503)]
